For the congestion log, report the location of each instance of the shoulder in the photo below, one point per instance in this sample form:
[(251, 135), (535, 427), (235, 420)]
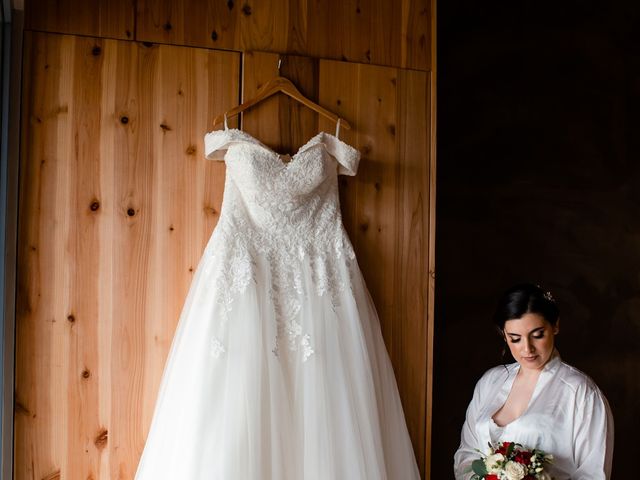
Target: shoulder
[(497, 374), (579, 383)]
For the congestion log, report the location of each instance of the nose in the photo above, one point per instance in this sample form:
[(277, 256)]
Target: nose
[(528, 346)]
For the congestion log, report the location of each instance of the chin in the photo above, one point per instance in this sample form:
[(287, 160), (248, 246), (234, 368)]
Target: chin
[(534, 361)]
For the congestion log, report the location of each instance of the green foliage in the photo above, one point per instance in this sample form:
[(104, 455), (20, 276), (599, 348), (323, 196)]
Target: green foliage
[(479, 468)]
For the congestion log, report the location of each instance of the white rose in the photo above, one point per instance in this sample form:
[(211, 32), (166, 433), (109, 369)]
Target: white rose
[(492, 462), (515, 471), (543, 476)]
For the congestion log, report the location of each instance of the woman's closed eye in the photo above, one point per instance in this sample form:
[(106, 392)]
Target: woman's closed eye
[(536, 335)]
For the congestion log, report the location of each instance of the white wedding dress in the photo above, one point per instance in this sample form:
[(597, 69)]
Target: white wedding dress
[(278, 370)]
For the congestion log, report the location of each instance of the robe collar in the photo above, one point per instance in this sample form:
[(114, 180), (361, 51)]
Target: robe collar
[(547, 373)]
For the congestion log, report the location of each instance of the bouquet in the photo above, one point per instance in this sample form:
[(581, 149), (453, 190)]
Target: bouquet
[(511, 461)]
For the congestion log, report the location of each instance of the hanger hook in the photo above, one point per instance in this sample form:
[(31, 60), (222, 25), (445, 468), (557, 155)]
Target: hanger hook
[(279, 63)]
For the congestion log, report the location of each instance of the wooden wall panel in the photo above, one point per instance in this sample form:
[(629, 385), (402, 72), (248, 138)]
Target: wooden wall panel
[(117, 204), (386, 207), (100, 18), (367, 31), (116, 207)]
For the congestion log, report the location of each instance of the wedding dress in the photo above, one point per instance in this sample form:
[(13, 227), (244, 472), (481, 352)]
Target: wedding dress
[(277, 369)]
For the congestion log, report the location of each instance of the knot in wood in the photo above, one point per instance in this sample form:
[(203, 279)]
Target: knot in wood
[(102, 438)]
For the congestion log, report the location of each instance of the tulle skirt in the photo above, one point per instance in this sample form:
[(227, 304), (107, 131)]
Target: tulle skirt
[(249, 414)]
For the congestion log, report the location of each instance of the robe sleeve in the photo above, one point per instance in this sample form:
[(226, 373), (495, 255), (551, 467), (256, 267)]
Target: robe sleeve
[(216, 144), (469, 440), (593, 437), (347, 157)]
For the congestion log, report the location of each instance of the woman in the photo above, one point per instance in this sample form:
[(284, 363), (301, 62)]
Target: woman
[(539, 401)]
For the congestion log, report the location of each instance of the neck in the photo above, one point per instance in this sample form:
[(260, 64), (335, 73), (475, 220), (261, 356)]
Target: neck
[(529, 373)]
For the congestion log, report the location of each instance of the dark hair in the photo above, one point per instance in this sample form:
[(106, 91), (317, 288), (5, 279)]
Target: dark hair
[(526, 298)]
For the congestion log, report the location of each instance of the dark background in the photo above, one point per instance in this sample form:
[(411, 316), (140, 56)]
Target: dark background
[(538, 180)]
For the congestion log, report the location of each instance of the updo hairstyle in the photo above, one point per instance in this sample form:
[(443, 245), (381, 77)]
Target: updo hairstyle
[(526, 298)]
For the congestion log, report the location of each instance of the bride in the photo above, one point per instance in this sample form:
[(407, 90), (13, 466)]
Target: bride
[(539, 401)]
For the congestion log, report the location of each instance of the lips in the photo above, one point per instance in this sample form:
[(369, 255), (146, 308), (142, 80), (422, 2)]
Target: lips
[(530, 359)]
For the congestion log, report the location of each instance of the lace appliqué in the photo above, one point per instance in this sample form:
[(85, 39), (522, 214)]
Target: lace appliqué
[(288, 215)]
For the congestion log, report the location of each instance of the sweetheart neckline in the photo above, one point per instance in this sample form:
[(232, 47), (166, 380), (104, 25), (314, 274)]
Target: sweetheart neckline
[(278, 155)]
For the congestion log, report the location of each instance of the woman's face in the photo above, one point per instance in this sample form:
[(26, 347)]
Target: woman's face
[(530, 339)]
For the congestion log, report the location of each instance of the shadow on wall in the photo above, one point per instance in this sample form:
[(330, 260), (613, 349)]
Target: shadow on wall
[(538, 180)]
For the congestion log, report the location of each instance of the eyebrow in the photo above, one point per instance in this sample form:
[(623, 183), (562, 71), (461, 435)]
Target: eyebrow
[(518, 335)]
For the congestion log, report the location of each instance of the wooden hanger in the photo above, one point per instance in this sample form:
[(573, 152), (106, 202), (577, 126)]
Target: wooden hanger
[(284, 85)]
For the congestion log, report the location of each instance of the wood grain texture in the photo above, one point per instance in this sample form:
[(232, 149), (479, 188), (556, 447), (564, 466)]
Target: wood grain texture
[(432, 132), (366, 31), (116, 206), (386, 207), (100, 18)]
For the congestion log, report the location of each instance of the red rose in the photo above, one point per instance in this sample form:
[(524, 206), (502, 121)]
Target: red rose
[(503, 448), (523, 457), (491, 476)]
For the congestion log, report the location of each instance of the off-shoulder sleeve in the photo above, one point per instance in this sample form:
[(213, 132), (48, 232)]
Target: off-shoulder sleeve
[(347, 156), (216, 144)]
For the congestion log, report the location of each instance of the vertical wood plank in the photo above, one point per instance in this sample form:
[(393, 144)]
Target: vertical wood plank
[(118, 204), (414, 213), (134, 278), (376, 192), (86, 214), (101, 18), (432, 263), (432, 132), (36, 258)]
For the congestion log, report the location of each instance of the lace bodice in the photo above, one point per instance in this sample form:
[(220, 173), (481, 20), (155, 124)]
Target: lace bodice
[(285, 213)]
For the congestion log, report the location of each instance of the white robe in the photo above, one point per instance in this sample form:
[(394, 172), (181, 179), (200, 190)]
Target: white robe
[(567, 416)]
